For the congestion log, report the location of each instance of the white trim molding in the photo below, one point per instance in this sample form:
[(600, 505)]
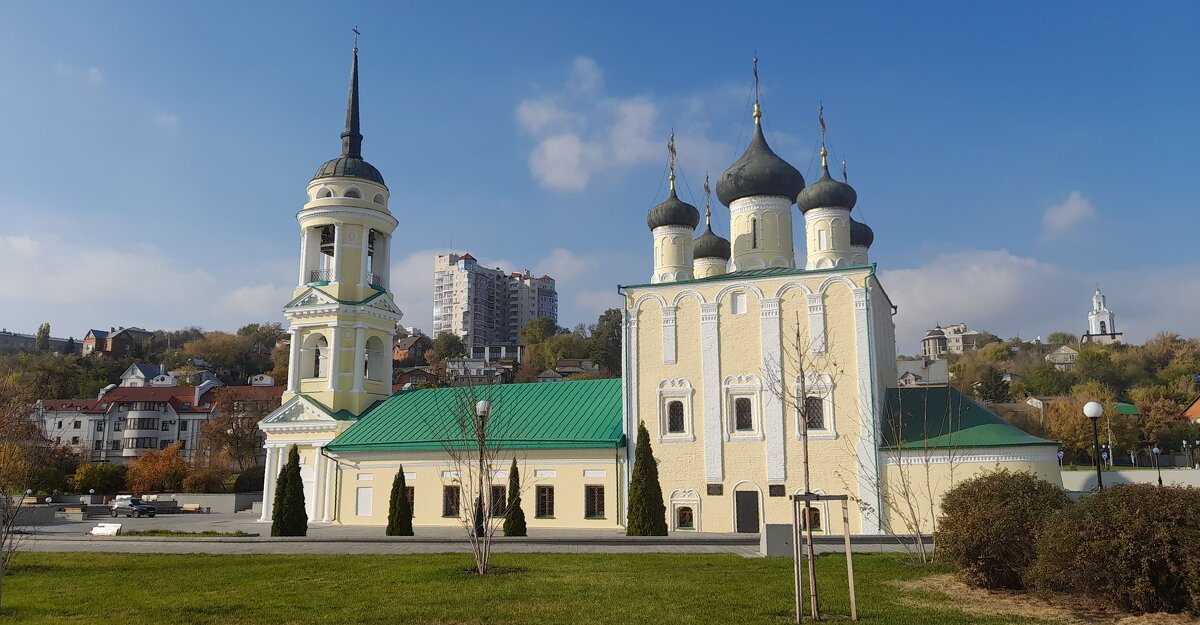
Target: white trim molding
[(818, 385), (772, 369), (668, 334), (680, 498), (743, 386), (680, 390), (710, 352)]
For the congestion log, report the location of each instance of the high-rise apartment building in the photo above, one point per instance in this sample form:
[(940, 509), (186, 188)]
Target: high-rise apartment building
[(485, 306)]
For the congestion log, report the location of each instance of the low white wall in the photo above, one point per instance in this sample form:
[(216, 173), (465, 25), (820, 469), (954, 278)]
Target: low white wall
[(1083, 481)]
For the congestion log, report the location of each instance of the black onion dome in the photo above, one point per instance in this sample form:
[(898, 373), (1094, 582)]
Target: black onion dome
[(861, 234), (349, 167), (759, 172), (673, 212), (827, 192), (709, 245)]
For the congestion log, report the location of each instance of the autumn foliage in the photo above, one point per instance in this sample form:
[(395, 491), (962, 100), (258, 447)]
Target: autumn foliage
[(157, 471)]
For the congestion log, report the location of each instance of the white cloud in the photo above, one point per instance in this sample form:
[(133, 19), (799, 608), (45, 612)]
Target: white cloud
[(1060, 219), (78, 284), (167, 122), (1010, 295), (580, 132), (91, 76)]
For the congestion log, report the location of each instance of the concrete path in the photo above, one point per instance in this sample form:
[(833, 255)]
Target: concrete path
[(64, 536)]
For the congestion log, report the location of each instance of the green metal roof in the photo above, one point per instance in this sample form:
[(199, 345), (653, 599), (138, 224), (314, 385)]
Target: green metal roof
[(769, 272), (340, 415), (942, 418), (1124, 408), (581, 414)]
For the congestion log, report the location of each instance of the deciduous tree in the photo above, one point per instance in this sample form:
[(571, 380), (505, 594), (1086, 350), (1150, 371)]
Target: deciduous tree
[(157, 471)]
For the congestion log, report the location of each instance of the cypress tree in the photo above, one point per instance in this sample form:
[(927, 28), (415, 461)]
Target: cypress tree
[(647, 514), (514, 516), (399, 510), (290, 518)]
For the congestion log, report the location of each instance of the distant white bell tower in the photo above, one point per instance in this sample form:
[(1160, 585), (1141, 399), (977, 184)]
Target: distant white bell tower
[(1102, 323)]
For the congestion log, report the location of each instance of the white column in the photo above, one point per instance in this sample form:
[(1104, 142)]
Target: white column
[(270, 474), (773, 413), (335, 357), (360, 352), (383, 258), (816, 323), (365, 251), (303, 257), (330, 490), (339, 240), (293, 383), (318, 483), (869, 481), (668, 331), (710, 360)]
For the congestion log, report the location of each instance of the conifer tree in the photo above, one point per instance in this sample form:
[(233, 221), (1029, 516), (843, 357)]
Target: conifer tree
[(514, 516), (399, 509), (647, 514), (290, 517)]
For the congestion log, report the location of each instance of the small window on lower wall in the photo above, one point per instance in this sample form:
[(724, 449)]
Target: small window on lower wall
[(364, 501), (593, 501), (499, 500), (685, 518), (451, 504), (716, 490), (776, 490), (545, 502)]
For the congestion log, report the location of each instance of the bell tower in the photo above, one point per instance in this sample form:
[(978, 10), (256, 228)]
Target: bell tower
[(342, 316)]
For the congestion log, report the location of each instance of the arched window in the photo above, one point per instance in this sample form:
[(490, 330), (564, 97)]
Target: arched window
[(1103, 328), (317, 347), (743, 414), (753, 233), (378, 199), (675, 423), (812, 519), (814, 412), (325, 192), (374, 365), (685, 518), (822, 240), (354, 193)]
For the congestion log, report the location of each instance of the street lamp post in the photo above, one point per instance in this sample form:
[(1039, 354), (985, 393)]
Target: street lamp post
[(1060, 458), (1187, 451), (1157, 451), (482, 409), (1093, 410)]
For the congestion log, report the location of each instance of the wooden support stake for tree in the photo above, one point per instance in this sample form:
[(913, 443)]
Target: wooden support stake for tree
[(849, 558), (797, 569)]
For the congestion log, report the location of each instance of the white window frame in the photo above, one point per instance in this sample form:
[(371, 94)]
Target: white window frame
[(679, 390), (737, 303), (818, 385), (743, 386), (681, 498), (822, 506)]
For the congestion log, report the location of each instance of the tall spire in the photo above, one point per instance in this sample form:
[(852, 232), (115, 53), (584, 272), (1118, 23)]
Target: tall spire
[(351, 137)]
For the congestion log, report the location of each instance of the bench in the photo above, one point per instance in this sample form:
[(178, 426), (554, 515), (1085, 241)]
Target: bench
[(29, 501), (193, 507), (72, 513), (106, 529)]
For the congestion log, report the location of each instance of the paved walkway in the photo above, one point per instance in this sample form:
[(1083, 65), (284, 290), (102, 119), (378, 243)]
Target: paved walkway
[(335, 539)]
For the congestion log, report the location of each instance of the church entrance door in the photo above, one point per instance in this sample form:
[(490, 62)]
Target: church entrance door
[(746, 504)]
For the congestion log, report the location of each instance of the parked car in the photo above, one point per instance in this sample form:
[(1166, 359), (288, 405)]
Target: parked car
[(132, 507)]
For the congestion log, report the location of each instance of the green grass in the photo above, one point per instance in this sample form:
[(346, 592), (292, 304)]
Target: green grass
[(205, 534), (532, 588)]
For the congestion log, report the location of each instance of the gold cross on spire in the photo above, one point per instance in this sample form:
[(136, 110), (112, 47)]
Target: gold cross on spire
[(845, 178), (671, 158), (707, 200), (821, 121), (757, 109), (356, 34)]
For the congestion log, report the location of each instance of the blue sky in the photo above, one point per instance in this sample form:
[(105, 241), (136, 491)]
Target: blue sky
[(1008, 157)]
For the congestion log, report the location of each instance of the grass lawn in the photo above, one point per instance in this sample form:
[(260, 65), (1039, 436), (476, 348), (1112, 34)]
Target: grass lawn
[(533, 588)]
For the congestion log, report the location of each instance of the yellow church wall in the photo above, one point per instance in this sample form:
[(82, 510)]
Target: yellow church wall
[(567, 471)]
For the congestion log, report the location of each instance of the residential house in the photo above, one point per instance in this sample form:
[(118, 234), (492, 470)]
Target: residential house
[(115, 341), (409, 378), (469, 371), (1192, 412), (411, 347), (923, 372), (1063, 357), (17, 342)]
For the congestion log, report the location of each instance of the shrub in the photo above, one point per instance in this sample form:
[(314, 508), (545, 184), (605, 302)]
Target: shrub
[(514, 516), (206, 480), (399, 511), (250, 480), (1132, 547), (289, 517), (647, 513), (105, 479), (48, 480), (990, 523)]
